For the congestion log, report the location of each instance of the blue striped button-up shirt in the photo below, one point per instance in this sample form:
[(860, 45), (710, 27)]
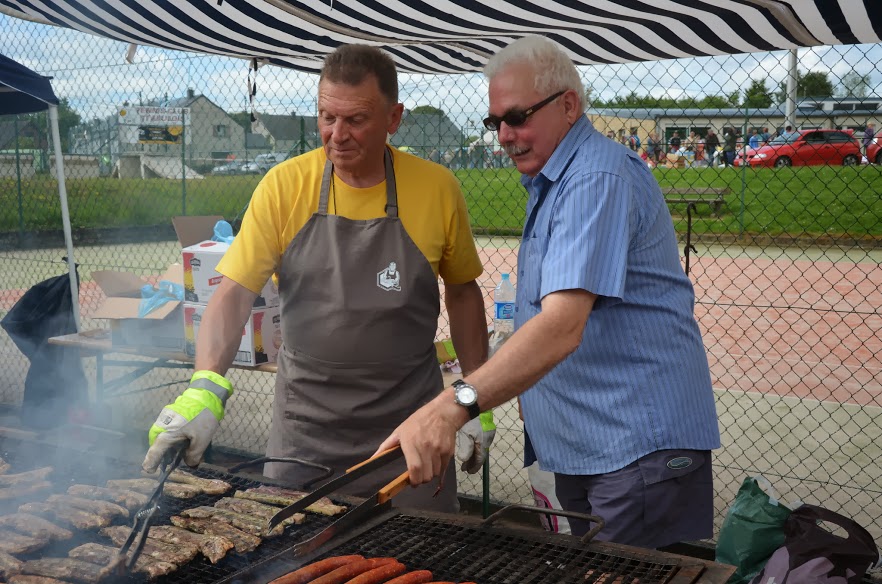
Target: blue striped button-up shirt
[(639, 382)]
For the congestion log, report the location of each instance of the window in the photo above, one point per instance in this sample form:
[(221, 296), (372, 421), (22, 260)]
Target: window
[(220, 131), (838, 137), (814, 137)]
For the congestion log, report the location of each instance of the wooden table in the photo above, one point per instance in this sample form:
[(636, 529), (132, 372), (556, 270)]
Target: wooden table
[(96, 343)]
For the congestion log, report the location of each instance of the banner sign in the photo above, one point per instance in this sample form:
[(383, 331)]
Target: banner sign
[(153, 124)]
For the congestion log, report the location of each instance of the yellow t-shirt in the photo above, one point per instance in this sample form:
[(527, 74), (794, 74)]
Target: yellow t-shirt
[(430, 204)]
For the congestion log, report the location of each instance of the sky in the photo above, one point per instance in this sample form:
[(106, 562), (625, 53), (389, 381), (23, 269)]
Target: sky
[(92, 74)]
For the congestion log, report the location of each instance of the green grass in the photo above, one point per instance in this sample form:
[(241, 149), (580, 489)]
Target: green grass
[(809, 201)]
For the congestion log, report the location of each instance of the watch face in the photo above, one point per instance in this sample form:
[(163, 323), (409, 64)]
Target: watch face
[(466, 395)]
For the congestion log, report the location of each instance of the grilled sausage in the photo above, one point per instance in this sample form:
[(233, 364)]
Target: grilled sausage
[(309, 573), (380, 575), (346, 573), (417, 577)]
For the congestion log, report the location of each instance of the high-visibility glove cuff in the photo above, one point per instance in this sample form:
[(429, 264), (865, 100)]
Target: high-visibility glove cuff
[(487, 422), (213, 382), (193, 401)]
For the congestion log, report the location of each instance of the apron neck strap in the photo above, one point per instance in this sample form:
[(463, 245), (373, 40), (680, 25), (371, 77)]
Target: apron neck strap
[(391, 189)]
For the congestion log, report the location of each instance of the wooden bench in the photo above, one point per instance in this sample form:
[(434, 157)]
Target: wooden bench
[(711, 196)]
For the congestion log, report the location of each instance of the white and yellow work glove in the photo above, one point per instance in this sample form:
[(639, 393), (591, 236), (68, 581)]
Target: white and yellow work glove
[(191, 421), (473, 441)]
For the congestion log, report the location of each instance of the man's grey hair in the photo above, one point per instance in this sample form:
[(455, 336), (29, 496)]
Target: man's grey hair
[(554, 70)]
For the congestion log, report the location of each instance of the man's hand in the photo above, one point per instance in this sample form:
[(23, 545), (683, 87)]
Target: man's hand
[(427, 437), (473, 441), (192, 420)]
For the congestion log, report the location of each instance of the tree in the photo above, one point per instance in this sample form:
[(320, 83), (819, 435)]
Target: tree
[(427, 109), (810, 84), (854, 84), (757, 95), (242, 118), (67, 119)]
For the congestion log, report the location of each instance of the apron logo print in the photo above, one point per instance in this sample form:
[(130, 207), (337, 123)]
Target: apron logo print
[(679, 463), (389, 278)]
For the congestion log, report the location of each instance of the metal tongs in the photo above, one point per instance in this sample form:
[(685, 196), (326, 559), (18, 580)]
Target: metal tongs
[(124, 561), (357, 471)]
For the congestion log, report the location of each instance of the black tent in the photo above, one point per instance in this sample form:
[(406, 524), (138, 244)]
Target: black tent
[(55, 380)]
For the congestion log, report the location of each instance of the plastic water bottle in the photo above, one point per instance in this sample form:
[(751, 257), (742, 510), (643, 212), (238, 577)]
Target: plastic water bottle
[(504, 299)]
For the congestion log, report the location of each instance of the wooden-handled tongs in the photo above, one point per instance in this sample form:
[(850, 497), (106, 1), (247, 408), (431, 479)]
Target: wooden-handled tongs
[(127, 555), (352, 516)]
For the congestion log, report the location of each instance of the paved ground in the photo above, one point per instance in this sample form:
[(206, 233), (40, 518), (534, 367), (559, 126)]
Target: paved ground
[(794, 341)]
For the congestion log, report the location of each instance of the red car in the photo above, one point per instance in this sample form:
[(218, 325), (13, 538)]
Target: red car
[(806, 148), (874, 151)]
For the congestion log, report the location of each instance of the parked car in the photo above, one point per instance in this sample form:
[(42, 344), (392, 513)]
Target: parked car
[(270, 159), (228, 168), (806, 148), (249, 168), (874, 151)]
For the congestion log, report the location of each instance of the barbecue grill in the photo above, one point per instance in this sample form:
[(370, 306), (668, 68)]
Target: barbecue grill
[(456, 548), (463, 549), (75, 466)]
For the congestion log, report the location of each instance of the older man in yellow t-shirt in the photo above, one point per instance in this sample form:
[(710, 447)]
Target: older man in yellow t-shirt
[(357, 234)]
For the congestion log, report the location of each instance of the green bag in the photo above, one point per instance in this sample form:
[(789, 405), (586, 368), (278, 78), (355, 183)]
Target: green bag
[(753, 529)]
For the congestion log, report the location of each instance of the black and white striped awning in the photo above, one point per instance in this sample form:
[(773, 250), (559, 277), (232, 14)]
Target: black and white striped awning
[(451, 36)]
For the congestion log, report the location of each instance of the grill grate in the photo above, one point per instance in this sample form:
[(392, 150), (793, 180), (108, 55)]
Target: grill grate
[(89, 468), (490, 556)]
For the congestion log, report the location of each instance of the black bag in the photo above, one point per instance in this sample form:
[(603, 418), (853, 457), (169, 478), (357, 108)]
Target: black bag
[(55, 383), (813, 555)]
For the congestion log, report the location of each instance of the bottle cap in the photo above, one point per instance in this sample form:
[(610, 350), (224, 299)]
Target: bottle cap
[(505, 276)]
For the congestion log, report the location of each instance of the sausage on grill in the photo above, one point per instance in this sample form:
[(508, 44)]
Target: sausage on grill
[(249, 507), (25, 478), (104, 555), (4, 466), (244, 542), (416, 577), (212, 547), (207, 486), (379, 575), (23, 579), (349, 571), (128, 499), (176, 554), (15, 543), (34, 526), (67, 516), (9, 565), (309, 573), (23, 490), (104, 509), (64, 568)]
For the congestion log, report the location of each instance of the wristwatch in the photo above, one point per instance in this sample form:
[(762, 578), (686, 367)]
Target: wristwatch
[(466, 396)]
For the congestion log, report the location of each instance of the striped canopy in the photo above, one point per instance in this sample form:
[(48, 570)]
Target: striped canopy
[(452, 36)]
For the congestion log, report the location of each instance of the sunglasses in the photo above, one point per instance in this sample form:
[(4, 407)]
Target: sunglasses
[(515, 118)]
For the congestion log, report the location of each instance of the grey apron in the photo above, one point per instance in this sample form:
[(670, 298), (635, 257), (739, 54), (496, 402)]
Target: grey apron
[(360, 306)]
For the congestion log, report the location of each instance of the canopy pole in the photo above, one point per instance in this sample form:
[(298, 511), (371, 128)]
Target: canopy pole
[(65, 215), (792, 73)]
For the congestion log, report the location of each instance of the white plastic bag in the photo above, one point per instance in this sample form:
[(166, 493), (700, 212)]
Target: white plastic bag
[(542, 483)]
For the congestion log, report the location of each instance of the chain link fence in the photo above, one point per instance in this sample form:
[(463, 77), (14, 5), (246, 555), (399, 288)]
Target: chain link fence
[(780, 227)]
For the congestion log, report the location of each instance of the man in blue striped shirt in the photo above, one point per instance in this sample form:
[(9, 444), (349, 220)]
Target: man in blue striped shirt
[(607, 355)]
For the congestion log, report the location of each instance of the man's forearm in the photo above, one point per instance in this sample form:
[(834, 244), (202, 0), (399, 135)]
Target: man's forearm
[(220, 331), (468, 324)]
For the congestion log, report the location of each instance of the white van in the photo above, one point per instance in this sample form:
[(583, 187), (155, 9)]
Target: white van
[(269, 160)]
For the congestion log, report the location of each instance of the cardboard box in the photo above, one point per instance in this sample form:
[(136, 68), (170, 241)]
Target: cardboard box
[(161, 328), (261, 336), (200, 257)]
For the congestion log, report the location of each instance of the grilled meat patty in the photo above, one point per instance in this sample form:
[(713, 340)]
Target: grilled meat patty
[(66, 516), (207, 486), (247, 523), (243, 542), (128, 499), (212, 547), (9, 565), (103, 555), (101, 508), (34, 526), (23, 579), (249, 507), (176, 554), (23, 490), (147, 486), (64, 568), (16, 543), (24, 478), (323, 506)]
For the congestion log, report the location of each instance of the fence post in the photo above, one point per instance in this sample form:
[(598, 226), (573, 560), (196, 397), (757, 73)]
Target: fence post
[(744, 165), (183, 162), (18, 181)]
